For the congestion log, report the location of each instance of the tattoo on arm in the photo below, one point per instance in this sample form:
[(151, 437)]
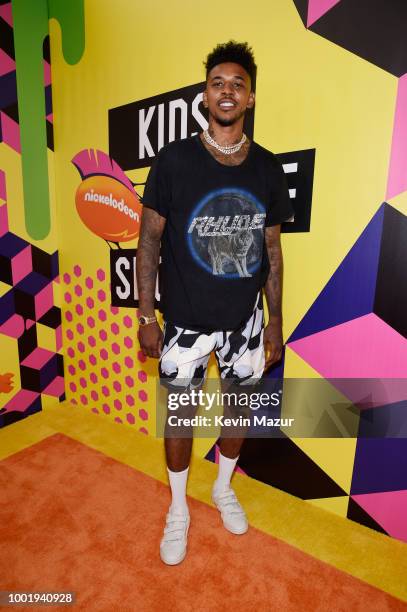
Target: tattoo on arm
[(148, 256), (274, 284)]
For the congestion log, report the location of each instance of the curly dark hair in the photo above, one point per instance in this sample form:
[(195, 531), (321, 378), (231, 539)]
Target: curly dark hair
[(232, 51)]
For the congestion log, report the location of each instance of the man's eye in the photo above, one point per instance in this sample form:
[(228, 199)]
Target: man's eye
[(238, 84)]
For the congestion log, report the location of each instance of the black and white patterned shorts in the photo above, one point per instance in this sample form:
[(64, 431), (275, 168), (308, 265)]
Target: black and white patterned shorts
[(239, 353)]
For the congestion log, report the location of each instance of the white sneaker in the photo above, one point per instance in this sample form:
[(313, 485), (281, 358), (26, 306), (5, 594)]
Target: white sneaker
[(233, 515), (173, 545)]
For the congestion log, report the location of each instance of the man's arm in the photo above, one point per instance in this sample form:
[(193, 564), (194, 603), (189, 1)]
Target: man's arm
[(148, 256), (273, 334)]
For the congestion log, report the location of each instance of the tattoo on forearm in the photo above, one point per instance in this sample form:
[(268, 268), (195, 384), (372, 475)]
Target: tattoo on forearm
[(274, 283), (148, 255)]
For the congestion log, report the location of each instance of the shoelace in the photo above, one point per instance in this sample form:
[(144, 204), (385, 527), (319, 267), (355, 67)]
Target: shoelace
[(228, 498), (171, 528)]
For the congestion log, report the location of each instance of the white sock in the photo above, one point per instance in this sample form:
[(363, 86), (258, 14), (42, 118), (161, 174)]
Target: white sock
[(226, 467), (178, 484)]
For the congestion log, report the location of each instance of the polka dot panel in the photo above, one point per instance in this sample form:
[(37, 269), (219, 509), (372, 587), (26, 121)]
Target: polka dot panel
[(105, 368)]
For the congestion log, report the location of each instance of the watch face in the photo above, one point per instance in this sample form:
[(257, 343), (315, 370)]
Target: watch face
[(143, 320)]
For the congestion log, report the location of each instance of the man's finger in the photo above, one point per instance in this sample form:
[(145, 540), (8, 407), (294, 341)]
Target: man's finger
[(276, 354), (268, 362), (270, 350), (151, 351), (274, 357)]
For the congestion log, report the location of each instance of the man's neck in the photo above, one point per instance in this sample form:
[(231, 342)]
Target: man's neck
[(233, 159), (225, 134)]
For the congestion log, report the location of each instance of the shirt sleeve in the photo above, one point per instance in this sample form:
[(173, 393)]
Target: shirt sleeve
[(279, 207), (157, 191)]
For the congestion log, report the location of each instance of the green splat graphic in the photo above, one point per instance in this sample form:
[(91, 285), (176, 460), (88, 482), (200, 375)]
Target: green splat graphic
[(30, 25), (70, 16)]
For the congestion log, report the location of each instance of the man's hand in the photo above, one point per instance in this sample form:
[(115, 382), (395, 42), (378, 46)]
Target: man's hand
[(273, 343), (151, 339)]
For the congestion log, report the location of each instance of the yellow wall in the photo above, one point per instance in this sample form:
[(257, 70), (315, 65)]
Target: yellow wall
[(310, 94)]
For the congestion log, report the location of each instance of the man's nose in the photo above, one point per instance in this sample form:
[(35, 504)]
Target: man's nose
[(227, 88)]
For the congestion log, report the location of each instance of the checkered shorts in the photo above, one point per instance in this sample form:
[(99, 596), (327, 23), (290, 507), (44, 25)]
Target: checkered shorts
[(239, 353)]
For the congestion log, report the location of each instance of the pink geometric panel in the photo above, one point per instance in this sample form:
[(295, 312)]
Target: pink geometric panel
[(58, 337), (6, 14), (47, 73), (11, 132), (44, 300), (21, 401), (397, 178), (7, 64), (21, 264), (389, 509), (3, 192), (364, 348), (317, 8), (3, 220), (13, 327), (38, 358), (56, 388)]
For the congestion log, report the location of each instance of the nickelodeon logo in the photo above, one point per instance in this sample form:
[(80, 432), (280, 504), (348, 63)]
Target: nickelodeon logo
[(121, 206), (108, 208)]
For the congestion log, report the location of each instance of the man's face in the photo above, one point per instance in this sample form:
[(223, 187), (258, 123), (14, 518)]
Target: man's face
[(228, 93)]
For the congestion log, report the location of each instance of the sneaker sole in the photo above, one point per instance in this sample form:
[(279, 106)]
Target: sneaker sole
[(234, 531), (174, 562)]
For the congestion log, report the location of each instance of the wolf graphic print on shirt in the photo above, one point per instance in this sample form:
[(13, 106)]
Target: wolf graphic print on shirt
[(226, 233)]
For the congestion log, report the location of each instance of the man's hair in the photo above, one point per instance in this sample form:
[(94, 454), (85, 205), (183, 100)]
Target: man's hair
[(232, 51)]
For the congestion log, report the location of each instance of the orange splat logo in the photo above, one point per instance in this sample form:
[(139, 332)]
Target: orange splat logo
[(6, 384)]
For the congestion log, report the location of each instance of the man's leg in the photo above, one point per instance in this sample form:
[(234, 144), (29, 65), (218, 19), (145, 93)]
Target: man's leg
[(240, 359), (183, 360), (230, 447), (178, 447), (228, 457), (178, 451), (231, 436)]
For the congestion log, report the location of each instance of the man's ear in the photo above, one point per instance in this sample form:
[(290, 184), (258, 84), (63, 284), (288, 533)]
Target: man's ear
[(205, 99), (251, 100)]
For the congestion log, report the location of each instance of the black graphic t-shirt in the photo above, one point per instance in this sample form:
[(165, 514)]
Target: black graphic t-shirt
[(214, 258)]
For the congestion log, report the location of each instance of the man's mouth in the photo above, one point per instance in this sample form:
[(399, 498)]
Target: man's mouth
[(225, 104)]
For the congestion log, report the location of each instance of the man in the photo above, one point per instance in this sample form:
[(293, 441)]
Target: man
[(214, 202)]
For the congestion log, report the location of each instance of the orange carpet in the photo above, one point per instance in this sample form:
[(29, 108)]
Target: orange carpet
[(73, 519)]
